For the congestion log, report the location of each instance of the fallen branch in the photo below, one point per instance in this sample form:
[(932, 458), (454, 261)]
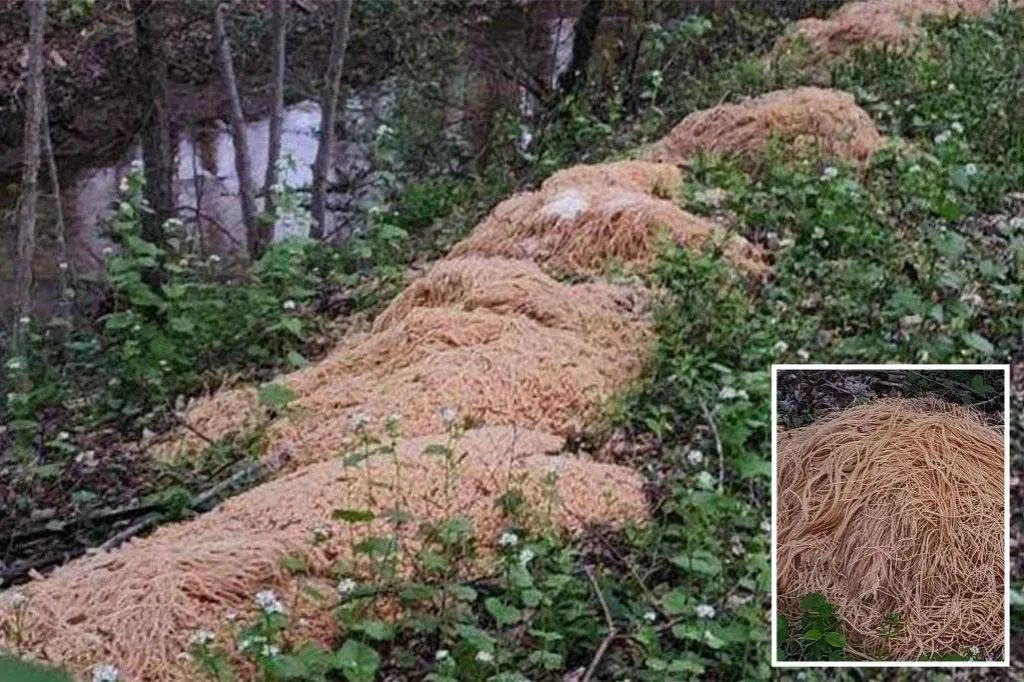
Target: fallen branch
[(612, 632)]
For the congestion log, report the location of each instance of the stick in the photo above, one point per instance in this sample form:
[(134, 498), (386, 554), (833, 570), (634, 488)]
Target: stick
[(612, 632), (718, 445)]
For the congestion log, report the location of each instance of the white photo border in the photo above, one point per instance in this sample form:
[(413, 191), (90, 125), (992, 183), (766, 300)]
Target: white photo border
[(1005, 663)]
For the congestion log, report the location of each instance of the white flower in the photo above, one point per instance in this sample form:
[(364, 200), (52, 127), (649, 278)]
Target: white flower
[(63, 435), (914, 169), (956, 127), (970, 169), (735, 601), (485, 657), (694, 457), (766, 525), (63, 266), (269, 650), (172, 224), (288, 305), (729, 393), (449, 415), (441, 654), (214, 258), (14, 600), (951, 88), (25, 319), (250, 642), (737, 545), (107, 250), (346, 585), (14, 364), (137, 165), (650, 616), (803, 354), (975, 650), (232, 617), (508, 540), (105, 673), (830, 173), (87, 459), (201, 638), (780, 347), (320, 533), (268, 602), (705, 611), (942, 137), (526, 556), (357, 420), (124, 184)]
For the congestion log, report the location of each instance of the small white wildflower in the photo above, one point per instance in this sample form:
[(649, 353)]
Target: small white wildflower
[(780, 347), (956, 127), (14, 364), (526, 556), (914, 169), (650, 616), (137, 165), (63, 435), (735, 601), (766, 525), (231, 617), (449, 415), (214, 258), (737, 546), (87, 459), (485, 657), (508, 540), (107, 250), (183, 262), (321, 533), (803, 354), (942, 137), (970, 169), (829, 173), (357, 420), (63, 266), (250, 642), (269, 651), (105, 673), (730, 393), (201, 638), (441, 654), (694, 457), (268, 602), (172, 224), (975, 650), (288, 305), (705, 611), (346, 585), (951, 87), (24, 319), (14, 600), (124, 184)]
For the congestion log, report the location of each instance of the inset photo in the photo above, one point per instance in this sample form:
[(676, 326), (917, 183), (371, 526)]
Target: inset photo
[(890, 517)]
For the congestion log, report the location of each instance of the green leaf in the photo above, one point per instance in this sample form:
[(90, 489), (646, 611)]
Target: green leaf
[(782, 630), (504, 614), (357, 662), (23, 671), (836, 639), (699, 561), (978, 343), (353, 515), (813, 635), (275, 395), (376, 630), (675, 602), (183, 325)]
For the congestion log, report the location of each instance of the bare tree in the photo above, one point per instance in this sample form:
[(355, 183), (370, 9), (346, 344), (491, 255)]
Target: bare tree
[(276, 118), (34, 87), (328, 112), (582, 45), (64, 267), (243, 167), (157, 152)]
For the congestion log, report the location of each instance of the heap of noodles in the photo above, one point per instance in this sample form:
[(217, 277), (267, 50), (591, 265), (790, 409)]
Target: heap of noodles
[(809, 120), (586, 218), (496, 340), (875, 23), (896, 507), (138, 605)]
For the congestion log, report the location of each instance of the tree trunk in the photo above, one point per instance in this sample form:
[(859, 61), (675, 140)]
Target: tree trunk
[(276, 119), (157, 152), (243, 167), (328, 111), (582, 45), (30, 172)]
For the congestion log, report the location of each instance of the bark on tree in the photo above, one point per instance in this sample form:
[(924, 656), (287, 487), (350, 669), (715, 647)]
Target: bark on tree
[(26, 222), (276, 117), (582, 45), (157, 152), (328, 110), (243, 166)]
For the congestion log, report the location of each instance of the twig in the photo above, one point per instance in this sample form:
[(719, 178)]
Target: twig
[(718, 445), (612, 632)]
